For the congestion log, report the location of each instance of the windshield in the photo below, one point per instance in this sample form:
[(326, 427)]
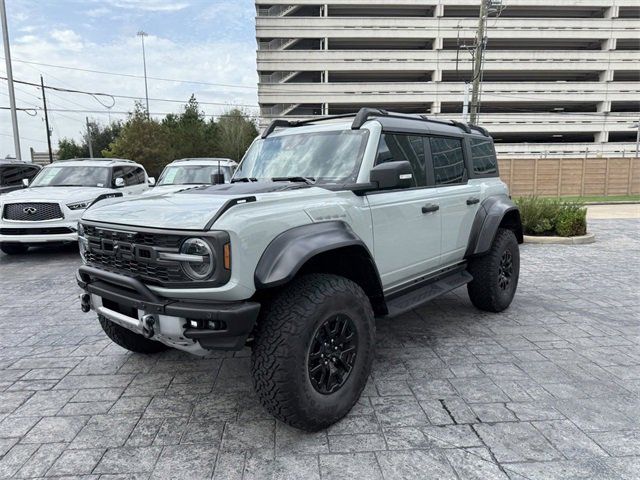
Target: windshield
[(192, 174), (330, 157), (72, 177)]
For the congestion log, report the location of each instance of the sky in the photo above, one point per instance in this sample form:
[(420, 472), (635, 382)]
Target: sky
[(210, 41)]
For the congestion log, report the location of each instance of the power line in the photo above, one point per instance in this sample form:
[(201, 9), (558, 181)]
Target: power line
[(125, 112), (128, 97), (131, 75)]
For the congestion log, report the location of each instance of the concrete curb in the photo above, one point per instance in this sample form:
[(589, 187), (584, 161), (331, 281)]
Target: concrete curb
[(581, 240)]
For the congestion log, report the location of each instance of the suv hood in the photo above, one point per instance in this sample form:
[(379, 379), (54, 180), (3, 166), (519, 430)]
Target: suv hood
[(54, 194), (190, 209)]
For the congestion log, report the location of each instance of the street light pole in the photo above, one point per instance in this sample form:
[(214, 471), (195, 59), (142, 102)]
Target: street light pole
[(143, 34), (12, 94)]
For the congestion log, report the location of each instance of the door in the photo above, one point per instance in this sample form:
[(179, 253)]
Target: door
[(406, 222), (459, 200)]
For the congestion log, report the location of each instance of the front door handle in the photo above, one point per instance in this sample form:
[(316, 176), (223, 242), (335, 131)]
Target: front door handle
[(430, 207), (473, 200)]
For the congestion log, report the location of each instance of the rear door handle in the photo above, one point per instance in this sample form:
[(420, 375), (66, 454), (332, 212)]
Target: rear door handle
[(430, 207), (473, 200)]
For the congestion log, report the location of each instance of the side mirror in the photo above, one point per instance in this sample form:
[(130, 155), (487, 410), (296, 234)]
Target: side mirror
[(217, 178), (119, 182), (392, 175), (151, 181)]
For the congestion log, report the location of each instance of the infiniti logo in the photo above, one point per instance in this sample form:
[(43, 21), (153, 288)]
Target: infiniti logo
[(30, 210)]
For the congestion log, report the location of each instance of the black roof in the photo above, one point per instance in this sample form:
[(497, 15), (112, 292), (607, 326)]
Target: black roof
[(391, 121)]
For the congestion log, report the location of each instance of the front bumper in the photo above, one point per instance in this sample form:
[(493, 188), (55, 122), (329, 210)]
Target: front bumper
[(128, 298), (38, 232)]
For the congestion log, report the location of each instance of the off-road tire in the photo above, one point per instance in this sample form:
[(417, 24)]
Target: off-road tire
[(128, 339), (484, 290), (287, 328), (14, 248)]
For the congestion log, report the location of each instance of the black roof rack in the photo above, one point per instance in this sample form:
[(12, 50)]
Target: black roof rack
[(365, 114)]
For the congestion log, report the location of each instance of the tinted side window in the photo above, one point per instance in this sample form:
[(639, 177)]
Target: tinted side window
[(483, 155), (140, 177), (118, 172), (395, 148), (131, 175), (448, 160)]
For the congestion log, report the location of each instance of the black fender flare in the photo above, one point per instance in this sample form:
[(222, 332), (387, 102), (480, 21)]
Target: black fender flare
[(488, 218), (290, 250)]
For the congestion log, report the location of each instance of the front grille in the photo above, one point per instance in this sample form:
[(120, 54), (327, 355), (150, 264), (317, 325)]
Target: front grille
[(32, 212), (124, 259), (35, 231)]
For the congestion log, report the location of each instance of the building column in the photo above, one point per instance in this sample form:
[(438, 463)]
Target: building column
[(601, 137), (438, 43), (612, 12), (606, 76), (436, 76), (609, 44), (604, 106), (436, 107), (439, 10)]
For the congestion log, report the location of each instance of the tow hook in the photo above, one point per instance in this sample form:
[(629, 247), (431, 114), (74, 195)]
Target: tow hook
[(148, 321), (85, 302)]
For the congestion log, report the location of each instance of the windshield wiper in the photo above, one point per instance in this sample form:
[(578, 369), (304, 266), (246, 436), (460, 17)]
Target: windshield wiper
[(243, 179), (307, 180)]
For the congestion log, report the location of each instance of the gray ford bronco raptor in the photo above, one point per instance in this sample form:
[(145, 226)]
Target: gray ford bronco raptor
[(327, 224)]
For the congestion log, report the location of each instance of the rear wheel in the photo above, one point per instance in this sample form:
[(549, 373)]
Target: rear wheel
[(128, 339), (313, 351), (14, 248), (495, 275)]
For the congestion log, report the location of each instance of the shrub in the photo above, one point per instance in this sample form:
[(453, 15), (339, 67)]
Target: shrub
[(549, 216)]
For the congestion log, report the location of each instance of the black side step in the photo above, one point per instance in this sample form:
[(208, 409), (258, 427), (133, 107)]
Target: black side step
[(418, 296)]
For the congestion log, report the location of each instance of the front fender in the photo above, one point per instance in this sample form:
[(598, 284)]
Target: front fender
[(489, 217), (289, 251)]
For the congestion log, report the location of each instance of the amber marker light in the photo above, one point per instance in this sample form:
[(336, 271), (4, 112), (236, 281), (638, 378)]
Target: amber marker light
[(227, 256)]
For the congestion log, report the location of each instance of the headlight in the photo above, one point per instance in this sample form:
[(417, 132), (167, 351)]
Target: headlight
[(202, 262), (79, 205)]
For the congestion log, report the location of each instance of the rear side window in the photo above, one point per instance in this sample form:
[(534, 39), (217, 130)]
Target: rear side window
[(448, 160), (131, 175), (410, 148), (483, 155)]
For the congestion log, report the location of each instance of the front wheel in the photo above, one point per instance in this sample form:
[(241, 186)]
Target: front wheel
[(313, 351), (495, 275), (14, 248)]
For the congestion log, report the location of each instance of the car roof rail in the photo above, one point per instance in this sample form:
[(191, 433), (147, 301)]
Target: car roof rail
[(278, 123), (367, 113), (480, 129)]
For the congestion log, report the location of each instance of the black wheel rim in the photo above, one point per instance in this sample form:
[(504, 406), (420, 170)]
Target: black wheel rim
[(332, 354), (505, 270)]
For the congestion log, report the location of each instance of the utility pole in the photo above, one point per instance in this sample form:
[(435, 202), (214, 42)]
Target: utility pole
[(143, 34), (46, 119), (89, 138), (12, 94), (478, 55), (637, 126)]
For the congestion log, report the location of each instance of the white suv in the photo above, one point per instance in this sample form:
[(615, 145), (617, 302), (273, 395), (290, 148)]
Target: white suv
[(327, 224), (49, 209), (190, 172)]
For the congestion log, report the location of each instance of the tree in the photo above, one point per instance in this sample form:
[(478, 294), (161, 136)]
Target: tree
[(68, 148), (143, 140), (234, 133), (101, 137), (189, 134)]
